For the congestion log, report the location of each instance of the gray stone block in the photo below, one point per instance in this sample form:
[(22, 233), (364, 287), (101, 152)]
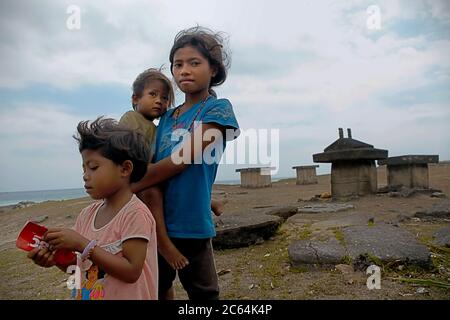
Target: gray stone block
[(315, 252), (235, 231), (382, 242), (442, 237), (437, 212), (325, 207), (386, 243)]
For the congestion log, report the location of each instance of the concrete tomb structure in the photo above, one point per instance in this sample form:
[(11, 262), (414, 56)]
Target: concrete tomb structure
[(409, 171), (353, 170), (255, 177), (306, 174)]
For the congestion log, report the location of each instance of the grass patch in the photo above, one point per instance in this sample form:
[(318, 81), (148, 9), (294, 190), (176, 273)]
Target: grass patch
[(339, 235), (347, 260), (305, 234), (374, 259), (425, 282), (29, 280), (298, 269)]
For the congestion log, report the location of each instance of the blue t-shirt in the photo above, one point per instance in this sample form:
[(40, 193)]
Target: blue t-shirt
[(187, 196)]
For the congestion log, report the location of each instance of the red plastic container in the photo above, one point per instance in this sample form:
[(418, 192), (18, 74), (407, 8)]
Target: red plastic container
[(31, 236)]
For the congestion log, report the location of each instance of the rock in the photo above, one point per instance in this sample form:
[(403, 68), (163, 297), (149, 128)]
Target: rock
[(23, 204), (421, 290), (442, 237), (362, 245), (325, 195), (223, 271), (259, 241), (315, 252), (39, 219), (387, 244), (263, 207), (438, 211), (241, 230), (344, 268), (325, 207), (403, 192), (406, 192), (284, 212), (438, 195)]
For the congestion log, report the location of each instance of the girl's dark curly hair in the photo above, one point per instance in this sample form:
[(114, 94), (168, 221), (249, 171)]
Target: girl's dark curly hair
[(210, 44), (116, 143)]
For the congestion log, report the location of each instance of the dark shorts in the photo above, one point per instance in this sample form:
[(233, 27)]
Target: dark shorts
[(199, 278)]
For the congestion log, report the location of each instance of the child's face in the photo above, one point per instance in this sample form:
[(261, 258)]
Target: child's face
[(93, 273), (154, 100), (102, 177), (191, 70)]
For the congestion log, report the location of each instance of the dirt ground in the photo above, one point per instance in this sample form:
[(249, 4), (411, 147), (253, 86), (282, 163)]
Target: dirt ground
[(260, 271)]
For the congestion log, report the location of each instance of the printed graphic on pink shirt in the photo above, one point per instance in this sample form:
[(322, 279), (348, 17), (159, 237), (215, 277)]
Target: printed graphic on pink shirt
[(91, 285)]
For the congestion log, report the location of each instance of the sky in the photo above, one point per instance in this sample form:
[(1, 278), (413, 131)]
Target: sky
[(299, 71)]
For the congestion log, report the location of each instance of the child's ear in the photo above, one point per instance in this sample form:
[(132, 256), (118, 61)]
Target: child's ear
[(214, 71), (126, 168), (134, 100)]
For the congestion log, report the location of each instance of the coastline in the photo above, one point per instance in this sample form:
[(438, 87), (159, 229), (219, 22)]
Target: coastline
[(23, 199)]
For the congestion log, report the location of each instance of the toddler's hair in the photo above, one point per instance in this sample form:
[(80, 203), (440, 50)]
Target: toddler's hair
[(210, 45), (148, 76), (116, 143)]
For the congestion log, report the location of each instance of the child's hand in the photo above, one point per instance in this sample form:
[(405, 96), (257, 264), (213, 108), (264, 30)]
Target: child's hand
[(65, 239), (42, 257)]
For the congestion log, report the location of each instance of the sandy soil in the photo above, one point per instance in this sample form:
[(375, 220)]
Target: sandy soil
[(261, 271)]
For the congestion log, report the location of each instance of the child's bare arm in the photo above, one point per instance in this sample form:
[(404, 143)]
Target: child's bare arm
[(167, 168), (127, 268)]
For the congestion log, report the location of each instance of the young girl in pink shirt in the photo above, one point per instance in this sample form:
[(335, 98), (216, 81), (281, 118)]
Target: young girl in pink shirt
[(115, 236)]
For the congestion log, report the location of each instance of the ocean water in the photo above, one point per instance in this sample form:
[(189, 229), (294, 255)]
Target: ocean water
[(8, 198)]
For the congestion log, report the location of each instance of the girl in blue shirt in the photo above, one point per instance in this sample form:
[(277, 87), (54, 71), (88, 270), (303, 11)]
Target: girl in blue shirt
[(189, 143)]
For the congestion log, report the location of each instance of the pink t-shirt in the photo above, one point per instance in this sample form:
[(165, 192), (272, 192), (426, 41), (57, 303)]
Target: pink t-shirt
[(134, 220)]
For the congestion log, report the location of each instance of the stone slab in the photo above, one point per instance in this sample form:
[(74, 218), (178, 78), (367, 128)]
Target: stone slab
[(442, 237), (242, 230), (383, 242), (353, 154), (325, 208), (387, 243), (306, 167), (409, 159), (437, 211)]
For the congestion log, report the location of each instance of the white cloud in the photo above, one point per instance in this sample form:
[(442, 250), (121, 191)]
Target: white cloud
[(308, 67), (38, 151)]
